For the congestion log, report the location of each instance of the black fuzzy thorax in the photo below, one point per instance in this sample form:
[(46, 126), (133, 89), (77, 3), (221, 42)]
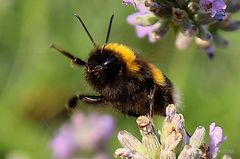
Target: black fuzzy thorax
[(129, 92)]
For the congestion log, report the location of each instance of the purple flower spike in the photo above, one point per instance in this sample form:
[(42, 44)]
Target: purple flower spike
[(215, 7), (216, 138)]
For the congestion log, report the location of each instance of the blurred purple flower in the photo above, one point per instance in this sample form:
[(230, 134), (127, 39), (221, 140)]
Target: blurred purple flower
[(216, 7), (63, 144), (82, 133), (216, 138), (101, 156)]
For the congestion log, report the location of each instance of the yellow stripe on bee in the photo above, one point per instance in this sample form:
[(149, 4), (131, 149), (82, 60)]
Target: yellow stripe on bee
[(128, 56), (157, 74)]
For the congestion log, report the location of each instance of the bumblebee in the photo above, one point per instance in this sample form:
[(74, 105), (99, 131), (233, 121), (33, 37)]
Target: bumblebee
[(132, 85)]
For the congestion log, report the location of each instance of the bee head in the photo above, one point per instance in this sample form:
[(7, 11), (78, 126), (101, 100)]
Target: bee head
[(102, 67)]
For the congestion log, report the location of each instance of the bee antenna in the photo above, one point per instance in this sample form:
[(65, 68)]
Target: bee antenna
[(109, 28), (85, 28)]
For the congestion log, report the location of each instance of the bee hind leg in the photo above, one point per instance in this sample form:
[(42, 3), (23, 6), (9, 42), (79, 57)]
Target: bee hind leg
[(152, 101)]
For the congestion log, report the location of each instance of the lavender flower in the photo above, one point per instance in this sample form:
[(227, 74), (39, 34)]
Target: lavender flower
[(171, 142), (216, 139), (201, 19), (83, 133), (215, 7)]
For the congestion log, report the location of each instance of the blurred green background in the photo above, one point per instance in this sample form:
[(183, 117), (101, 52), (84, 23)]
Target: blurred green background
[(35, 81)]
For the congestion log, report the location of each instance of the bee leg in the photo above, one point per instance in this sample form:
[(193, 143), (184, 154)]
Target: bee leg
[(151, 98), (72, 103), (74, 60)]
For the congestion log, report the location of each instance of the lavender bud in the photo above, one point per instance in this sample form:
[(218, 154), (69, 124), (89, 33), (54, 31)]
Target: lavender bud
[(170, 112), (220, 15), (157, 8), (210, 51), (219, 41), (162, 30), (216, 139), (204, 34), (150, 138), (230, 25), (145, 125), (202, 43), (167, 154), (189, 29), (197, 138), (179, 15), (190, 153), (208, 47), (204, 18), (173, 131), (182, 41), (193, 6), (127, 140), (128, 154)]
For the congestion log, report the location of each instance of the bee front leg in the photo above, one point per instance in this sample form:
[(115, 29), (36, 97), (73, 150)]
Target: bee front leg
[(74, 60), (94, 100)]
